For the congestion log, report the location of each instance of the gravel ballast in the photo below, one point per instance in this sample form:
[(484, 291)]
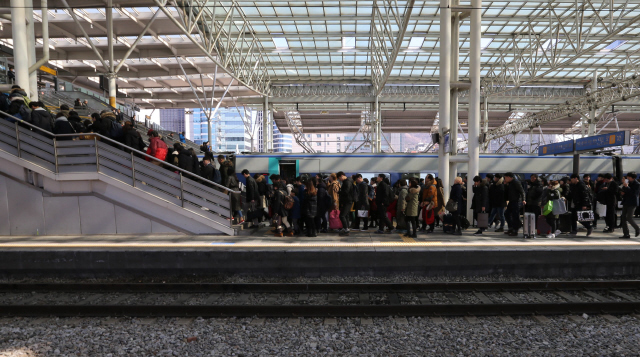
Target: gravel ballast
[(490, 336)]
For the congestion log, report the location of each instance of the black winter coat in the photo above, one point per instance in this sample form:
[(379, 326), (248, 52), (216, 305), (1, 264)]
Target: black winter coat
[(277, 202), (534, 195), (323, 199), (480, 197), (612, 193), (132, 139), (631, 192), (515, 193), (310, 205), (76, 122), (62, 126), (42, 119), (196, 165), (345, 191), (252, 193), (236, 198), (456, 195), (363, 196), (579, 195), (206, 172), (496, 194)]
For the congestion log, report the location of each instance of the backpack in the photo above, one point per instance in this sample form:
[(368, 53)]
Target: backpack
[(288, 202), (217, 178), (354, 193), (116, 132)]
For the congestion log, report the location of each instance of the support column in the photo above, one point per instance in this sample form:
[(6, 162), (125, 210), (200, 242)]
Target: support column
[(378, 128), (20, 44), (474, 99), (112, 75), (374, 131), (31, 49), (455, 69), (444, 94), (485, 145), (210, 129), (265, 125), (592, 113)]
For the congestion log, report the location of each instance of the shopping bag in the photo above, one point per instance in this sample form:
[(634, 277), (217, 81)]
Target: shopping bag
[(428, 216), (362, 213), (601, 209), (559, 206), (548, 208), (585, 216), (483, 220), (334, 219)]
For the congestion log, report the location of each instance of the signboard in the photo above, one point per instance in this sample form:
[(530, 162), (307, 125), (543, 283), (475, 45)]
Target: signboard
[(556, 148), (618, 138), (49, 70)]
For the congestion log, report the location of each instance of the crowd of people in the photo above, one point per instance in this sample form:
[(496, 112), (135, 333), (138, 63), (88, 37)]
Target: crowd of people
[(341, 203)]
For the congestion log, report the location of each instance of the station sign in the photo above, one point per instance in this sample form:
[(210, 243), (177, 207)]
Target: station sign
[(556, 148), (48, 70), (618, 138)]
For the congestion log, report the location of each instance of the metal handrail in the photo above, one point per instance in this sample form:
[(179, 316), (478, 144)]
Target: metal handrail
[(200, 178)]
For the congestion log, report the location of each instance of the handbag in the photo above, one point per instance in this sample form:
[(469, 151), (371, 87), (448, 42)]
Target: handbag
[(601, 209), (585, 216), (559, 207), (483, 220), (548, 208), (363, 213), (451, 205)]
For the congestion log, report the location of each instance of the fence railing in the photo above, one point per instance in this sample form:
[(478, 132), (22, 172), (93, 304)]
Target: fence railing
[(88, 153)]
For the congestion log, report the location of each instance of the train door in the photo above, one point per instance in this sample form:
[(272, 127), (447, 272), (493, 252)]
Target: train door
[(288, 169)]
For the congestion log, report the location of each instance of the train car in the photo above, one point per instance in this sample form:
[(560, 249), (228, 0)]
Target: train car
[(405, 165)]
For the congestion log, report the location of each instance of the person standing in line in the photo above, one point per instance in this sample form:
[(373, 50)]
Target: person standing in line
[(252, 195), (411, 211), (362, 204), (456, 196), (498, 203), (630, 193), (480, 200), (310, 208), (345, 201), (551, 193), (515, 200), (401, 206), (579, 199), (334, 192), (610, 194), (384, 197), (534, 195), (324, 202), (233, 184), (429, 202), (40, 117)]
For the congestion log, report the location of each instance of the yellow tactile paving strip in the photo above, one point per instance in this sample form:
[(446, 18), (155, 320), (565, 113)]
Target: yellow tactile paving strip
[(409, 242)]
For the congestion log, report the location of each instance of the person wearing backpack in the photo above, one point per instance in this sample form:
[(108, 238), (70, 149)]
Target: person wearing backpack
[(18, 104), (384, 197), (346, 200), (62, 126)]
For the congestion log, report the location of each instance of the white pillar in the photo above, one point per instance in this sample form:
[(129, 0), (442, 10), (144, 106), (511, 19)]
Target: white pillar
[(486, 122), (265, 125), (474, 99), (455, 69), (19, 35), (112, 75), (374, 127), (378, 127), (592, 113), (31, 49), (444, 93)]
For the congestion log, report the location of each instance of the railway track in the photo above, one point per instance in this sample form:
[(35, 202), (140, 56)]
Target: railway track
[(321, 300)]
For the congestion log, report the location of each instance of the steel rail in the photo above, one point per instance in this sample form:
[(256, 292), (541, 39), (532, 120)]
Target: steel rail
[(321, 287)]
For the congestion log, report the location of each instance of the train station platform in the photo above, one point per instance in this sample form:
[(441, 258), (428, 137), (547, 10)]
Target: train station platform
[(259, 252)]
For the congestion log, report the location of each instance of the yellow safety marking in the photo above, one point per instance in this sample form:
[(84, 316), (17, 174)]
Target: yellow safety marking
[(407, 239), (312, 245)]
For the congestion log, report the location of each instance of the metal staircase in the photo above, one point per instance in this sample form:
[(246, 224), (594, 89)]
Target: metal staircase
[(92, 157)]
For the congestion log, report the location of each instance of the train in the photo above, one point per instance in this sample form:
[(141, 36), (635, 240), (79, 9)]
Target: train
[(408, 165)]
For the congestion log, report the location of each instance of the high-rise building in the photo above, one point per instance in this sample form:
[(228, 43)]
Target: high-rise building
[(199, 132), (282, 143), (173, 120)]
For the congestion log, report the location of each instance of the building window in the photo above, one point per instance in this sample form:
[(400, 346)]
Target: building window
[(318, 144), (338, 138), (318, 135)]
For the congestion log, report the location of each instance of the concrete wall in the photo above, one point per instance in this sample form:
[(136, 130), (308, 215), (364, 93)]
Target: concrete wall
[(27, 210)]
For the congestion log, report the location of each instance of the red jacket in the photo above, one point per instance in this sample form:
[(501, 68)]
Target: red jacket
[(157, 148)]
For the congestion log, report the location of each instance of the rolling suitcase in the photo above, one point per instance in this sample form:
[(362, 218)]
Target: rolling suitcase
[(565, 223), (543, 227), (529, 225)]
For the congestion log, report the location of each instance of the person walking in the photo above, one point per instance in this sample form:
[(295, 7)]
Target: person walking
[(630, 192), (579, 200)]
